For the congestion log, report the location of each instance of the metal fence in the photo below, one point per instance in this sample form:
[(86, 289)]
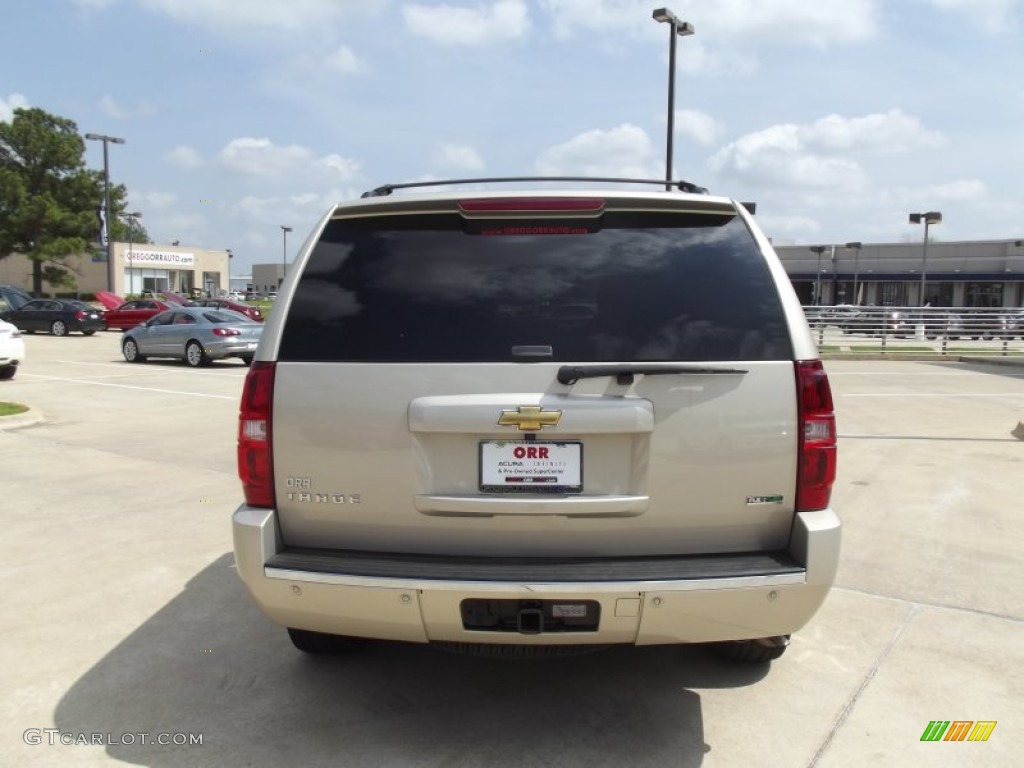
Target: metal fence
[(929, 330)]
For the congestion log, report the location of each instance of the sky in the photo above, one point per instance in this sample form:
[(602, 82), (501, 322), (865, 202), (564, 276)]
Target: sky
[(838, 117)]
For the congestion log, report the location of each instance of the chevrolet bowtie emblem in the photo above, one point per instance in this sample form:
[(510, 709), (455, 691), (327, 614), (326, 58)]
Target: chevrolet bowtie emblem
[(529, 418)]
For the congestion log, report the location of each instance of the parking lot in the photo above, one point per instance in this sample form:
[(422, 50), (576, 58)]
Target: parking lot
[(123, 616)]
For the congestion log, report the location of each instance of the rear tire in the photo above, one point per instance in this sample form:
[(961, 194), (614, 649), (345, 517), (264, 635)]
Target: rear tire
[(7, 372), (756, 651), (195, 355), (321, 643), (59, 328), (88, 333), (247, 361)]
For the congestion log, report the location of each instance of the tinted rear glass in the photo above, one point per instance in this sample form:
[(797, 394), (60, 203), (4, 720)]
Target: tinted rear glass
[(635, 287)]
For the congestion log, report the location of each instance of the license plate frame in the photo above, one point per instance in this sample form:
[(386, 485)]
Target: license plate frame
[(510, 466)]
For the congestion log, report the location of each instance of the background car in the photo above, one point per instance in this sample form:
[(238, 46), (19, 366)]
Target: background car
[(1012, 324), (253, 313), (131, 313), (877, 321), (12, 297), (57, 316), (197, 335), (12, 350)]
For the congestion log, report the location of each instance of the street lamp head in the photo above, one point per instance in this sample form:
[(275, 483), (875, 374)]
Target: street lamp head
[(286, 229), (855, 245), (101, 137), (665, 16), (818, 249), (931, 217)]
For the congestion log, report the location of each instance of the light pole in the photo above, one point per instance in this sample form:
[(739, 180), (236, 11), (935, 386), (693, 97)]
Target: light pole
[(681, 28), (106, 202), (132, 218), (929, 218), (230, 257), (284, 254), (855, 247), (818, 249)]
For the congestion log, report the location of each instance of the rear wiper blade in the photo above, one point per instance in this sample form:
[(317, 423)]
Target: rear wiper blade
[(624, 372)]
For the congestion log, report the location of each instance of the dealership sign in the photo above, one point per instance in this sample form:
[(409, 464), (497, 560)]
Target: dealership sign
[(166, 258)]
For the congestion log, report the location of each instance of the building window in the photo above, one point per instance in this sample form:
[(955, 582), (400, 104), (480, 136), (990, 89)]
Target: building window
[(984, 295)]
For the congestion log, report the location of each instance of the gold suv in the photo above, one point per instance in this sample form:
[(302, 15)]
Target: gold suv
[(535, 421)]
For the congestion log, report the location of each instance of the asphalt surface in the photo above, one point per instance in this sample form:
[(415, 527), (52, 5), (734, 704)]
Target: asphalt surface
[(122, 614)]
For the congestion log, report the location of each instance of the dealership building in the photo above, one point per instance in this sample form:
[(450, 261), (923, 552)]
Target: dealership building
[(137, 268), (978, 273)]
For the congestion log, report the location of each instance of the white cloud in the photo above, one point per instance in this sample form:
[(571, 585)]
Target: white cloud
[(991, 15), (344, 60), (819, 155), (339, 168), (457, 157), (149, 202), (267, 14), (789, 22), (777, 156), (929, 196), (452, 25), (11, 103), (788, 227), (119, 112), (184, 157), (623, 152), (888, 132), (261, 157), (697, 125)]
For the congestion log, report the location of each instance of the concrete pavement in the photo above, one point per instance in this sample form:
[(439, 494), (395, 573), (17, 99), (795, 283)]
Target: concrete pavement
[(123, 616)]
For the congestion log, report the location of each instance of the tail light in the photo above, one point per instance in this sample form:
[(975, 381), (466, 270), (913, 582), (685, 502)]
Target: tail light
[(816, 463), (81, 314), (532, 205), (255, 462), (226, 332)]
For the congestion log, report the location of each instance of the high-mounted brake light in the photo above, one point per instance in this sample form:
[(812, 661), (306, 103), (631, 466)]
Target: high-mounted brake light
[(816, 462), (255, 432), (532, 204)]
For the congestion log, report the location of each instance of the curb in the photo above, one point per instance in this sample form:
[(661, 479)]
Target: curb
[(20, 420)]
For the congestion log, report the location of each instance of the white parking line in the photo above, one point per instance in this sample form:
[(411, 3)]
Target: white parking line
[(129, 386), (141, 370), (934, 394)]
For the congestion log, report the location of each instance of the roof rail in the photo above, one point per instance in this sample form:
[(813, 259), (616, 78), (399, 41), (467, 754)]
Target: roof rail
[(387, 189)]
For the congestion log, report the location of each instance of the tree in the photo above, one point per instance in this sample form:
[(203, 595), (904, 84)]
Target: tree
[(48, 199)]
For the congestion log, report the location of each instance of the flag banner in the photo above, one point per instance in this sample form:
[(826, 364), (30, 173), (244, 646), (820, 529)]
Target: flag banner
[(101, 212)]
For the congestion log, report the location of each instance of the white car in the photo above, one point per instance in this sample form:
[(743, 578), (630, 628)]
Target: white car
[(12, 350)]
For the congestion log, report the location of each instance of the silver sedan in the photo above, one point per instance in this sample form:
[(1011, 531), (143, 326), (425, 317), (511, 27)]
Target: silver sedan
[(196, 335)]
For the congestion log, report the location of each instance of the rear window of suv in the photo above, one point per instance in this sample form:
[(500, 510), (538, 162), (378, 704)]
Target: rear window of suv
[(632, 287)]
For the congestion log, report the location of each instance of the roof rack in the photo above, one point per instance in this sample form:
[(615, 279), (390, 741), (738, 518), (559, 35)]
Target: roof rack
[(387, 189)]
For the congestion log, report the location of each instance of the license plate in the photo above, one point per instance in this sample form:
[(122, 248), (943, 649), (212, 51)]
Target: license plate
[(530, 466)]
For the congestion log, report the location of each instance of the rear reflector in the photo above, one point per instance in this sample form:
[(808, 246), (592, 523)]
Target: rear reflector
[(816, 463), (581, 205), (255, 446)]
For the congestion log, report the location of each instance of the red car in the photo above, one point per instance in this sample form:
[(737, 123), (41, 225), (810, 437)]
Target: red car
[(253, 313), (131, 313)]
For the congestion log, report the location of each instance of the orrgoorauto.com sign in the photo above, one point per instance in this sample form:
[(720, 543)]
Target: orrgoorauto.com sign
[(161, 258)]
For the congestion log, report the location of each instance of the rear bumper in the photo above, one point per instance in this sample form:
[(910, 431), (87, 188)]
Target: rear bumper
[(231, 349), (642, 600)]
